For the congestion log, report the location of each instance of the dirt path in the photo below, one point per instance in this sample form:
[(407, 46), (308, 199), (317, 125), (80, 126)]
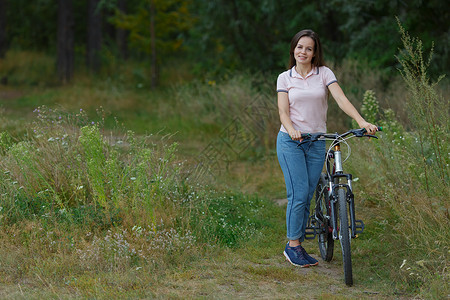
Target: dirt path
[(269, 278), (265, 276)]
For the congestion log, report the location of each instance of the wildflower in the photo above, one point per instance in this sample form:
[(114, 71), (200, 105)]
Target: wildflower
[(403, 263)]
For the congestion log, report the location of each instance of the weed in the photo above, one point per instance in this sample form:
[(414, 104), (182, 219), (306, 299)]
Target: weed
[(411, 162)]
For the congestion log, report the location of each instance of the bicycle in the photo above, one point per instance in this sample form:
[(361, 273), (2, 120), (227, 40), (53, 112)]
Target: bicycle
[(333, 217)]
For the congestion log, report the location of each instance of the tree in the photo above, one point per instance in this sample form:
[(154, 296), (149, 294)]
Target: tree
[(3, 45), (122, 34), (94, 35), (154, 67), (157, 28), (255, 34), (65, 48)]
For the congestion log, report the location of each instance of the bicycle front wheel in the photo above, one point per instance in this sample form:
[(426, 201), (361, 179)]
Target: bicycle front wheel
[(344, 237), (323, 212)]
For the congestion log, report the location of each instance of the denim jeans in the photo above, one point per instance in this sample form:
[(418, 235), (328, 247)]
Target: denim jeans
[(301, 166)]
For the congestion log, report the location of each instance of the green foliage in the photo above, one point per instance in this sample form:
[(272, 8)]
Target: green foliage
[(410, 162), (428, 110), (172, 20), (5, 142), (251, 34), (31, 25), (411, 175), (92, 144), (248, 34), (74, 166), (67, 171), (28, 68), (370, 107), (227, 219)]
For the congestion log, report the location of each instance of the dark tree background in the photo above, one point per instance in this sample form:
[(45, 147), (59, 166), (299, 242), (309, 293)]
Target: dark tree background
[(257, 33), (218, 35), (122, 34), (94, 35), (3, 45), (65, 50)]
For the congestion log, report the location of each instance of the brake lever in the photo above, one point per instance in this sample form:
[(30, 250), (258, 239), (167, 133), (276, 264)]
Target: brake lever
[(359, 132), (307, 137), (370, 136)]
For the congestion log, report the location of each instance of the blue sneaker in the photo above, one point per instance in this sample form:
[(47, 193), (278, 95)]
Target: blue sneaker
[(295, 256), (312, 261)]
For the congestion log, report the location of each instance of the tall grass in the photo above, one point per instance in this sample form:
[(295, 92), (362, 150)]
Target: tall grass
[(80, 198), (412, 177)]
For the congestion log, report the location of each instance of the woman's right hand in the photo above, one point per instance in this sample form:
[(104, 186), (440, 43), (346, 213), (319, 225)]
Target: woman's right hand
[(296, 135)]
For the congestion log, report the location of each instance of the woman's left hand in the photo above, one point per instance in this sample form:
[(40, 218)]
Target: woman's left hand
[(371, 129)]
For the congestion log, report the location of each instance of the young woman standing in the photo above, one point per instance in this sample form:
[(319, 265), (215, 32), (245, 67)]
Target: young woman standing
[(302, 104)]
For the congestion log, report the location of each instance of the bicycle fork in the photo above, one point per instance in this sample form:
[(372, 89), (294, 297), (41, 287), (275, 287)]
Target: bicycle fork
[(356, 226), (350, 204)]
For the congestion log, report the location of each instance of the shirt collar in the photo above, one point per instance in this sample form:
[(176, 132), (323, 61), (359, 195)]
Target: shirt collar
[(294, 73)]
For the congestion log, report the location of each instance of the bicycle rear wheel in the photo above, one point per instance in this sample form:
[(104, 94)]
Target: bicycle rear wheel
[(326, 242), (344, 237)]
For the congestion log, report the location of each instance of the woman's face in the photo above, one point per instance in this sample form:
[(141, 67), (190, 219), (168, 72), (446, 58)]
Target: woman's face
[(304, 51)]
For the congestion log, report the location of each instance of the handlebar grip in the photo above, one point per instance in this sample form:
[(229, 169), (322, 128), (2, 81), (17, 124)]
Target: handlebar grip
[(379, 128)]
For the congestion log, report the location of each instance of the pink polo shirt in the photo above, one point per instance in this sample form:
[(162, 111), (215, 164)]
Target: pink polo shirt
[(307, 98)]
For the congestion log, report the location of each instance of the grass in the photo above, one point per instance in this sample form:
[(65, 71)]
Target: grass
[(137, 214)]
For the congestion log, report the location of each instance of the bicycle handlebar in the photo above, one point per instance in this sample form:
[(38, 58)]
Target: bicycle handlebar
[(356, 132)]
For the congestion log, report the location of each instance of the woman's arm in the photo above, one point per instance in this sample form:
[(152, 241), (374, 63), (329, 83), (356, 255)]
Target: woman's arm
[(283, 110), (349, 109)]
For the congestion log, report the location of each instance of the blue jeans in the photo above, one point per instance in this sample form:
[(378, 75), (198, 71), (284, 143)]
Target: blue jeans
[(301, 166)]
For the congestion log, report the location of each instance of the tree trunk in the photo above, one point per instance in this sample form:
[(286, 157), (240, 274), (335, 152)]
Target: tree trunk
[(3, 45), (122, 34), (154, 68), (94, 42), (65, 50)]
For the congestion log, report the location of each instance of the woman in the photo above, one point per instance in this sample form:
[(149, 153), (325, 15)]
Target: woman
[(302, 103)]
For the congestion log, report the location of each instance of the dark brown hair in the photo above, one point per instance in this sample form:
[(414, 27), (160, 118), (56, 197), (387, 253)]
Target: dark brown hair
[(317, 60)]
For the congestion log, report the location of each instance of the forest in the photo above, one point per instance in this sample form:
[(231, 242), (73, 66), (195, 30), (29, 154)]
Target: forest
[(217, 35), (138, 160)]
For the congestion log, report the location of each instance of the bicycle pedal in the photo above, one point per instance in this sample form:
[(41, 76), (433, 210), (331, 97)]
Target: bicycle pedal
[(310, 233), (359, 226)]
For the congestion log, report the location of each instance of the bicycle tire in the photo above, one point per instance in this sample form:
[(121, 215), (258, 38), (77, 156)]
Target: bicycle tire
[(344, 237), (326, 242)]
